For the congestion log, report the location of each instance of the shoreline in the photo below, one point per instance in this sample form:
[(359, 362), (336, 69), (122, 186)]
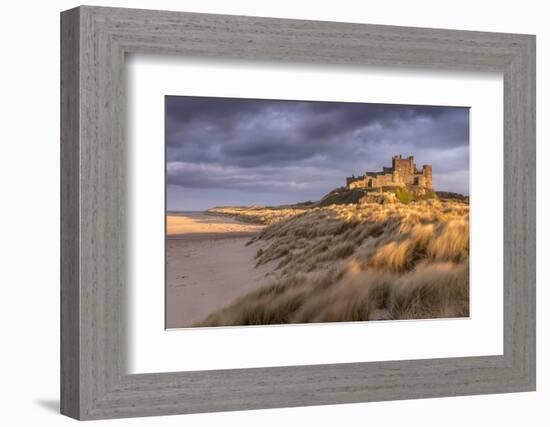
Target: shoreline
[(209, 263), (197, 225), (213, 235)]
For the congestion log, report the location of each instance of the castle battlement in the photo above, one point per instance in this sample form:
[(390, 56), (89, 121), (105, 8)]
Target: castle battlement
[(403, 172)]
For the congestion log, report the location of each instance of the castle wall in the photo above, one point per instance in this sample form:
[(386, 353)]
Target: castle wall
[(359, 183), (403, 172), (382, 180)]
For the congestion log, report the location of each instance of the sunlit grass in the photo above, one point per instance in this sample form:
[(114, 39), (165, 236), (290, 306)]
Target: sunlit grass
[(362, 261)]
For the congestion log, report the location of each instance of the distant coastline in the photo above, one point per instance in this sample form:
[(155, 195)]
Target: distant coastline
[(199, 225), (184, 212)]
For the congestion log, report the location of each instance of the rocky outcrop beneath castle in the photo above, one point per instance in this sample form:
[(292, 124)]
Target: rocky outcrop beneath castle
[(382, 198), (381, 195)]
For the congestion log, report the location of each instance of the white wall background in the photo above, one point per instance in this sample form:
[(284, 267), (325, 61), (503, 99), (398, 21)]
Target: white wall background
[(29, 225)]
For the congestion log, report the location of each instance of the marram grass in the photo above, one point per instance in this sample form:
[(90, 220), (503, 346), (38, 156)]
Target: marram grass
[(364, 261)]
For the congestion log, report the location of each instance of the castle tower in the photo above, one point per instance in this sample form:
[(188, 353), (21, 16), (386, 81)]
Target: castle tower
[(396, 178), (405, 168), (427, 173)]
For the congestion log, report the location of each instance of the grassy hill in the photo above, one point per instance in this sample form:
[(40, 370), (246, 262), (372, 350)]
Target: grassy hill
[(344, 195), (268, 215)]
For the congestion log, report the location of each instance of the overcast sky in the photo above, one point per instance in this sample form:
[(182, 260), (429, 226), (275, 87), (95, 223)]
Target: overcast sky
[(229, 151)]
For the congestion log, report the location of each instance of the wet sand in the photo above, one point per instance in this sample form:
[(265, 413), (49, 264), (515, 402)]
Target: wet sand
[(208, 265)]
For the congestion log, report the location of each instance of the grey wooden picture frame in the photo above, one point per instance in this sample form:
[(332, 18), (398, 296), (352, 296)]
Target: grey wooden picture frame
[(94, 381)]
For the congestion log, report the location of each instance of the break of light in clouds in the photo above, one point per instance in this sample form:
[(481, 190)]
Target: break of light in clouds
[(230, 151)]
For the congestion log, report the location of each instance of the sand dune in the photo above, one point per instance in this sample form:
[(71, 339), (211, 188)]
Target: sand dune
[(365, 261)]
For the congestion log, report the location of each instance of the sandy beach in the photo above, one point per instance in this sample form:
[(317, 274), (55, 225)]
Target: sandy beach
[(208, 265), (198, 225)]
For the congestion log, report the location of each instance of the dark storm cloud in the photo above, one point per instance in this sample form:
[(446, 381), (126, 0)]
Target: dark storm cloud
[(305, 149)]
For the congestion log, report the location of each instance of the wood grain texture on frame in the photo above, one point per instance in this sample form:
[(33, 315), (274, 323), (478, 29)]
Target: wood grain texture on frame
[(94, 271)]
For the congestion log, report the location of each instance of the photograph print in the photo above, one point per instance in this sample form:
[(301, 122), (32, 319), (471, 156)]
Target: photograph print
[(296, 212)]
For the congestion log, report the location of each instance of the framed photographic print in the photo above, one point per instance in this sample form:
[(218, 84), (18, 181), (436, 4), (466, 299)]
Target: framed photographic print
[(263, 213), (298, 243)]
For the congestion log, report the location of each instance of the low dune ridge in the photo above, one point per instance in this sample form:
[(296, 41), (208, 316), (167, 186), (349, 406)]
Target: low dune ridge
[(263, 215), (199, 225), (361, 261)]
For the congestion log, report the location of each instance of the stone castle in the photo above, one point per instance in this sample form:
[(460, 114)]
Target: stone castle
[(403, 172)]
